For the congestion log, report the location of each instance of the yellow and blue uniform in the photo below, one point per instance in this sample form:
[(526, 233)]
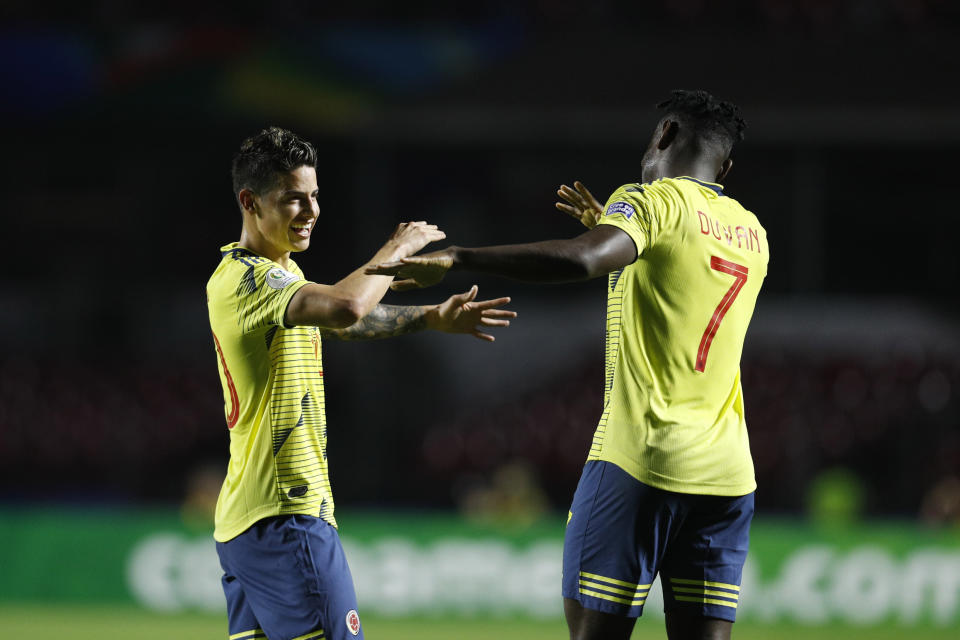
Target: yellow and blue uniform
[(673, 428), (272, 379), (673, 413), (274, 522)]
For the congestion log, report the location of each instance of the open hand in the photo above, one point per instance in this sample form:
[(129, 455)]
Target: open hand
[(416, 271), (460, 314), (581, 204), (410, 237)]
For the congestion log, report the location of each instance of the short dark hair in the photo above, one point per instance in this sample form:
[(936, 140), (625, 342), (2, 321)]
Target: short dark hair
[(266, 155), (713, 120)]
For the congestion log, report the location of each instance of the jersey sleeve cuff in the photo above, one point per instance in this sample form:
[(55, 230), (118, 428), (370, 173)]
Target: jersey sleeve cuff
[(288, 294)]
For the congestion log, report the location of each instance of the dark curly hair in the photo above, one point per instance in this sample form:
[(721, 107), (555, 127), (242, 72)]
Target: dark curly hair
[(266, 155), (713, 120)]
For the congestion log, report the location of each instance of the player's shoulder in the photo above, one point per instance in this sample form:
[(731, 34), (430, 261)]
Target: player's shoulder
[(630, 191), (694, 190), (240, 266), (718, 197), (628, 195), (751, 217), (656, 196), (650, 200)]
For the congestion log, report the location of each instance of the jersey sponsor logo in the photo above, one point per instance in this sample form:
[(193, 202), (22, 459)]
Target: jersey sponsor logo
[(621, 207), (278, 278), (353, 622)]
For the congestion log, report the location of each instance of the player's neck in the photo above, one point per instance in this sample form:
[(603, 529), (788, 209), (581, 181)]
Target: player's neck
[(698, 167), (260, 246)]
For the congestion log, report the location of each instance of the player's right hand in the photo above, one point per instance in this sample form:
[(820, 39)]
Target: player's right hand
[(411, 237), (580, 204)]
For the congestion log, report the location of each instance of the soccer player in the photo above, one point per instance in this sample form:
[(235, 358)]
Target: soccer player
[(668, 484), (285, 575)]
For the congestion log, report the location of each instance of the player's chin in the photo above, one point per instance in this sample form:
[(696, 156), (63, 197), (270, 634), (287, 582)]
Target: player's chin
[(299, 243)]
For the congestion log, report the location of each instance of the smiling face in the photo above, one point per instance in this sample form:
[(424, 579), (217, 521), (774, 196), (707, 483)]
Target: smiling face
[(281, 220)]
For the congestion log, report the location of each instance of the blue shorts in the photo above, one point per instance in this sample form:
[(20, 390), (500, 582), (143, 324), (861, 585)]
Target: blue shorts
[(622, 533), (287, 578)]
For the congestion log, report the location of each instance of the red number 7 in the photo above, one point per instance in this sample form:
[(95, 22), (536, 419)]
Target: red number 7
[(739, 272)]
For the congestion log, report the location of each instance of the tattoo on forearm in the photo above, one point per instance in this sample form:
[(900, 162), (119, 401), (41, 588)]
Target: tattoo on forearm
[(385, 321)]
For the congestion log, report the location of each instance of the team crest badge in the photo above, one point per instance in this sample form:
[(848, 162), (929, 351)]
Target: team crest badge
[(353, 621), (278, 278)]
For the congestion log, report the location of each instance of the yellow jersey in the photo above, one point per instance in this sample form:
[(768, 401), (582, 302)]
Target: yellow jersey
[(673, 413), (272, 379)]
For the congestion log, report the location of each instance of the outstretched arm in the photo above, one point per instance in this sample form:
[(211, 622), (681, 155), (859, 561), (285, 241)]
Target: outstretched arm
[(458, 314), (597, 252)]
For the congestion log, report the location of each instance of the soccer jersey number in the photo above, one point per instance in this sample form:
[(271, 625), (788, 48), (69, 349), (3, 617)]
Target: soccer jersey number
[(739, 272)]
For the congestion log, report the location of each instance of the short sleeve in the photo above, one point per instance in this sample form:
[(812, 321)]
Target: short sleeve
[(263, 294), (638, 210)]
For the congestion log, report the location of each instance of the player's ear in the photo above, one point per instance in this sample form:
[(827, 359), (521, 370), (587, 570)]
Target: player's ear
[(247, 200), (724, 169), (668, 133)]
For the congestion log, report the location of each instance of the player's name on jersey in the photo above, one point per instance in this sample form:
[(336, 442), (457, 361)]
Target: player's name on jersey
[(745, 237)]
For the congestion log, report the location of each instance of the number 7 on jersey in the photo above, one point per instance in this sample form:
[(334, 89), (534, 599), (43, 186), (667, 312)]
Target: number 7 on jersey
[(739, 272)]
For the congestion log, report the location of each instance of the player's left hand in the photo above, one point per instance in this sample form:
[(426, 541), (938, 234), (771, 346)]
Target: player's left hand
[(416, 271), (580, 204), (461, 314)]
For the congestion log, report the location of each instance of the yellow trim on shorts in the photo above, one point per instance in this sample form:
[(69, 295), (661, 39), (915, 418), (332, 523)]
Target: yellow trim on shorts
[(709, 592), (633, 594), (248, 635), (636, 593), (725, 603), (632, 585), (705, 583), (596, 594), (316, 634)]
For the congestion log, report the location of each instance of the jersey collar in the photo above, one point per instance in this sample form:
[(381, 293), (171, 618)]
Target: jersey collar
[(716, 188), (234, 247)]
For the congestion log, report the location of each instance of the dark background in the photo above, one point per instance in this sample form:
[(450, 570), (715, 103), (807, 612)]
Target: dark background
[(118, 125)]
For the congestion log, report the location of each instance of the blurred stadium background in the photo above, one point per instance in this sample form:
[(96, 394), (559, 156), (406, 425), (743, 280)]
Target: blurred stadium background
[(452, 461)]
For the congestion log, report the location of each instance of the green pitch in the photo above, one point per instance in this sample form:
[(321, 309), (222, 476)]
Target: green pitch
[(39, 622)]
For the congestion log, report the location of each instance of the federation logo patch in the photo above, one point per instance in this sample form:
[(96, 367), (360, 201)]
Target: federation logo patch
[(353, 622), (278, 278), (621, 207)]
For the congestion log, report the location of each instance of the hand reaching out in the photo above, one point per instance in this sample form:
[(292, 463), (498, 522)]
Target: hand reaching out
[(581, 204), (415, 271), (411, 237), (460, 314)]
